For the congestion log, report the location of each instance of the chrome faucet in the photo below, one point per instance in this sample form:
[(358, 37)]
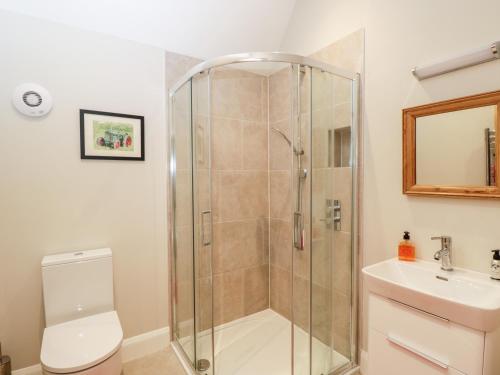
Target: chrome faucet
[(445, 253)]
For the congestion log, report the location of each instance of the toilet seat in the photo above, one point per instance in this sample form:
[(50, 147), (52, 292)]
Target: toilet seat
[(82, 343)]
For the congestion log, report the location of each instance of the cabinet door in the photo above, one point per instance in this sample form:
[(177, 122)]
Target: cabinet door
[(457, 346), (390, 358)]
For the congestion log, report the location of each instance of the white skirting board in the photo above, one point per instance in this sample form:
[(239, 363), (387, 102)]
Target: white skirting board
[(32, 370), (144, 344), (132, 348)]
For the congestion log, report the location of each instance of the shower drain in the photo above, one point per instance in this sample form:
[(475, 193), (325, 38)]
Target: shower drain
[(203, 365)]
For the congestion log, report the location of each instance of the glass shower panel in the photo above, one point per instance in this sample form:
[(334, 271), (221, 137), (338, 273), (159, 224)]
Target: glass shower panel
[(331, 213), (183, 285), (202, 223), (301, 189), (262, 178), (244, 327)]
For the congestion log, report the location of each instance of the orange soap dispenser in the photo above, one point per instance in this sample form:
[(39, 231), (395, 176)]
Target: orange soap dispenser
[(406, 248)]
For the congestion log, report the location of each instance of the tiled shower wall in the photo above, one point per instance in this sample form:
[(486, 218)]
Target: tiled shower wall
[(280, 165), (240, 204)]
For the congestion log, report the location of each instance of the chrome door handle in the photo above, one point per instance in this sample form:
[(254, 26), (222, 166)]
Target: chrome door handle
[(418, 352), (206, 239)]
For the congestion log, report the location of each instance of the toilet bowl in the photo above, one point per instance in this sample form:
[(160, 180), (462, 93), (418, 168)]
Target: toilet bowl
[(83, 335), (87, 346)]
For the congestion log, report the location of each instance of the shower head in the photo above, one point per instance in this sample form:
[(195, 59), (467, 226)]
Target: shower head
[(297, 152)]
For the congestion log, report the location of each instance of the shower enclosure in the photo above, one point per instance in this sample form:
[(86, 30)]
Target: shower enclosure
[(263, 215)]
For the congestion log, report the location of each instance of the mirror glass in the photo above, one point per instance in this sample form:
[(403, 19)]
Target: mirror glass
[(457, 148)]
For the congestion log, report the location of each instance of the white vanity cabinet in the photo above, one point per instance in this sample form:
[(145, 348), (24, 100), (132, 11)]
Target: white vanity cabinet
[(403, 340)]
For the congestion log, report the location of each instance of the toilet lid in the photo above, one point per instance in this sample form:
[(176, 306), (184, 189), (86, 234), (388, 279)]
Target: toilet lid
[(82, 343)]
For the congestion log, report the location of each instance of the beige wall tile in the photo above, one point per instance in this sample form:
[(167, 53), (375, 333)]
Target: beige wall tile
[(255, 146), (238, 95), (342, 115), (341, 323), (321, 313), (301, 261), (342, 262), (202, 141), (255, 241), (239, 244), (322, 263), (184, 237), (204, 261), (182, 130), (264, 101), (321, 190), (280, 164), (280, 153), (200, 95), (322, 90), (227, 246), (279, 95), (320, 147), (204, 303), (254, 194), (226, 144), (256, 289), (184, 308), (228, 296), (280, 195), (342, 190), (281, 244), (202, 191), (240, 195), (346, 52), (301, 296), (281, 297)]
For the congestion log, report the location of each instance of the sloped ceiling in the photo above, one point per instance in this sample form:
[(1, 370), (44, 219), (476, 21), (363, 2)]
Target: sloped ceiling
[(198, 28)]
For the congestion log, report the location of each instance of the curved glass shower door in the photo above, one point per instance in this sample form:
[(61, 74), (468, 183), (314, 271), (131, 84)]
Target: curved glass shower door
[(333, 144), (323, 113), (263, 170), (183, 304), (192, 221)]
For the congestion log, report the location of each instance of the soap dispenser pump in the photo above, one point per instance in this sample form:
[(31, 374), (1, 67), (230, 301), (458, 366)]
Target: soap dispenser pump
[(495, 265), (406, 249)]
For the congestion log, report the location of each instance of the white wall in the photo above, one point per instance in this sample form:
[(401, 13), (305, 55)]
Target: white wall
[(399, 35), (52, 201), (201, 28)]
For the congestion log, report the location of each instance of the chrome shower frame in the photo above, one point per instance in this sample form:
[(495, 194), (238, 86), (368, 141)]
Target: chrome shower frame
[(171, 166)]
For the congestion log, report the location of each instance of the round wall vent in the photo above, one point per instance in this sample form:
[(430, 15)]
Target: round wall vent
[(32, 100)]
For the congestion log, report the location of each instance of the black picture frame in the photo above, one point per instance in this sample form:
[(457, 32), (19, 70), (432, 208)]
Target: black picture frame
[(83, 151)]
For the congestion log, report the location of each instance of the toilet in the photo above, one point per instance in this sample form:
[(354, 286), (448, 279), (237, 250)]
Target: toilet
[(83, 334)]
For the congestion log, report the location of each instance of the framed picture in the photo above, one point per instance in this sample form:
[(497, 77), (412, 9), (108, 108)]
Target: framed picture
[(106, 135)]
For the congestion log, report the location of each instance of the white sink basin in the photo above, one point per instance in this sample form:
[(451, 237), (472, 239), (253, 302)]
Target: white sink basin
[(465, 297)]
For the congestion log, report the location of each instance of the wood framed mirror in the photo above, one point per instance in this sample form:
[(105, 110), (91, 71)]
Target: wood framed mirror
[(450, 148)]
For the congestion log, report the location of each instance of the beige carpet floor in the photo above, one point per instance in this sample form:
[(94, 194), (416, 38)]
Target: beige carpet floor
[(161, 363)]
